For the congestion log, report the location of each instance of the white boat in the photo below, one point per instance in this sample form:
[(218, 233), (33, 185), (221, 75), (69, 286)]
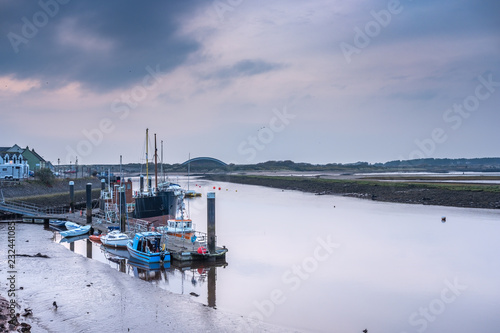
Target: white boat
[(76, 231), (115, 238), (178, 228), (71, 225)]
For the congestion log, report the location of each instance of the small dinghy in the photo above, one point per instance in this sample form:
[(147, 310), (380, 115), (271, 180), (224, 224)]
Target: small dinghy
[(76, 231), (71, 225), (57, 224)]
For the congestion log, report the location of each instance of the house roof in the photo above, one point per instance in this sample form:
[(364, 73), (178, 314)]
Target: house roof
[(36, 154), (15, 148)]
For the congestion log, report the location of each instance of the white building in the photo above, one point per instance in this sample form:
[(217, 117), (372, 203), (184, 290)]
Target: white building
[(13, 166)]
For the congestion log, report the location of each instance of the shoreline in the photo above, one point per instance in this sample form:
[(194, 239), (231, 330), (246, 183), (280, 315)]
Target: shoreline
[(438, 194), (91, 295)]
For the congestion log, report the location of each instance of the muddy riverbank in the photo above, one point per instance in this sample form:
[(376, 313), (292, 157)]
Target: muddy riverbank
[(93, 297), (440, 194)]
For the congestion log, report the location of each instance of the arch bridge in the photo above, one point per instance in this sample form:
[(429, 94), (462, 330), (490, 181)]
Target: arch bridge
[(204, 159)]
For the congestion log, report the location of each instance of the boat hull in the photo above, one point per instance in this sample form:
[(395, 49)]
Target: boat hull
[(120, 243), (95, 238), (162, 204), (149, 258), (76, 232)]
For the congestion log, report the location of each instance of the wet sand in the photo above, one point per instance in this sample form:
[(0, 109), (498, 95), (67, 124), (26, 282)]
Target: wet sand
[(93, 297)]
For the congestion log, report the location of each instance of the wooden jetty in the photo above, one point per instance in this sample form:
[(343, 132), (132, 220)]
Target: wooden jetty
[(200, 248)]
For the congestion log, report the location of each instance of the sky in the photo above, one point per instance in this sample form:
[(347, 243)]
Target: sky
[(250, 81)]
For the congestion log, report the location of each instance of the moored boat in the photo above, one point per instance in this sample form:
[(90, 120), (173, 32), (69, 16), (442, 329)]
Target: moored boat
[(115, 238), (57, 224), (179, 228), (95, 238), (148, 247), (71, 225), (192, 194), (76, 231)]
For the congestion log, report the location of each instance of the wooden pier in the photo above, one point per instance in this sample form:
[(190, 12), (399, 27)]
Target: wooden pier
[(200, 248)]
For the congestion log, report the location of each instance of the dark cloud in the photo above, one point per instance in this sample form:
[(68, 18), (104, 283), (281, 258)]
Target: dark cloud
[(103, 44), (247, 67)]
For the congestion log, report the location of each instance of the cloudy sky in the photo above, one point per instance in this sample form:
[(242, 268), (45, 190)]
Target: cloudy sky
[(245, 81)]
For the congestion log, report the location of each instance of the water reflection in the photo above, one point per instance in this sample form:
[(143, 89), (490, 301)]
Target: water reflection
[(197, 279)]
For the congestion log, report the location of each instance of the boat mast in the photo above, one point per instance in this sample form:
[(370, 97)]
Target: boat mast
[(161, 168), (119, 199), (189, 167), (147, 161), (156, 166)]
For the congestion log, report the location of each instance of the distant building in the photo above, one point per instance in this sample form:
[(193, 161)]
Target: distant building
[(35, 161), (13, 165), (16, 154)]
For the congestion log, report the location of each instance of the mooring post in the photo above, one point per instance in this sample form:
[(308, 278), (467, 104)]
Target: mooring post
[(211, 287), (71, 196), (141, 184), (89, 203), (123, 208), (211, 221), (101, 197)]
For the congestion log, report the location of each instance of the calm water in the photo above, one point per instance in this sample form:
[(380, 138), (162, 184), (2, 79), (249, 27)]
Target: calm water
[(334, 264)]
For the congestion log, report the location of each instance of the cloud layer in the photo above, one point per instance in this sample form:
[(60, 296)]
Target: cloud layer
[(364, 80)]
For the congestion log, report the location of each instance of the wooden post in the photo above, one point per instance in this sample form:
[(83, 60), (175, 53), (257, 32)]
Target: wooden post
[(123, 208), (72, 196), (211, 222), (89, 203)]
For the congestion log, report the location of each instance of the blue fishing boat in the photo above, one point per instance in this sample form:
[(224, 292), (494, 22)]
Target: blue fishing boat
[(148, 247)]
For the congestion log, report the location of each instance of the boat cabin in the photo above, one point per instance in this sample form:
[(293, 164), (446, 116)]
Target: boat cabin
[(180, 225), (147, 242)]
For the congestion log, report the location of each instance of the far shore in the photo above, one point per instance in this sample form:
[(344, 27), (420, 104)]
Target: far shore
[(456, 191), (387, 189)]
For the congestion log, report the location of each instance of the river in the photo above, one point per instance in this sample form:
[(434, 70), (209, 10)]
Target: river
[(337, 264)]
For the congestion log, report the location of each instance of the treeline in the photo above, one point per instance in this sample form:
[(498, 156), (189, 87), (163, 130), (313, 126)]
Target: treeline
[(427, 164), (422, 165)]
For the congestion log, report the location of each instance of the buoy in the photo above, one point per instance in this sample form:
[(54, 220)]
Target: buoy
[(219, 188), (202, 250), (443, 219), (214, 187)]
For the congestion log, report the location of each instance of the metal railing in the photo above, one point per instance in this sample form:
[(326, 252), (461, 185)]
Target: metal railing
[(29, 208), (23, 206)]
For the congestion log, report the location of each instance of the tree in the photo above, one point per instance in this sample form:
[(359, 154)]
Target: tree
[(46, 176)]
